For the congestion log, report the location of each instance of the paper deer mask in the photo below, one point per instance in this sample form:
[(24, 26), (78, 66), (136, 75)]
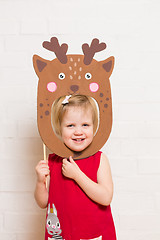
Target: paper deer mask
[(73, 74)]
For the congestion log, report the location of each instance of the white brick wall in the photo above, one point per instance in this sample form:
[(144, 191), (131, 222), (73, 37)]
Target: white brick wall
[(131, 30)]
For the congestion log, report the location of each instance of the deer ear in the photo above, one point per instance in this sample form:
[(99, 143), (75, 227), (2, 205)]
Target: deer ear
[(108, 65), (39, 64)]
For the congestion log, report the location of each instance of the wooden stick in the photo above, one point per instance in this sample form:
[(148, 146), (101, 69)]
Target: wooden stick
[(45, 157), (44, 152)]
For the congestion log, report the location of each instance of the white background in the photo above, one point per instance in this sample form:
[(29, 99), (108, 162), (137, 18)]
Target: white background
[(131, 30)]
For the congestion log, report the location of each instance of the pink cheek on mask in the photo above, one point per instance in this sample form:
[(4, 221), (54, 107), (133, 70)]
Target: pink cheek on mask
[(47, 226), (52, 87), (93, 87)]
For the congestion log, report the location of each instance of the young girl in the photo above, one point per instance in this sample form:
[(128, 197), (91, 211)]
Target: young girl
[(81, 190)]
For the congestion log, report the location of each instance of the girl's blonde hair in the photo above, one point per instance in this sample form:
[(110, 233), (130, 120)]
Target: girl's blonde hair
[(59, 108)]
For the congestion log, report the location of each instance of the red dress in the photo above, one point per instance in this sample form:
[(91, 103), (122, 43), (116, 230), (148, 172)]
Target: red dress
[(79, 216)]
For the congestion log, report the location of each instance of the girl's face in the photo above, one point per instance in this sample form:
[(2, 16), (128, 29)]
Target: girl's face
[(77, 128)]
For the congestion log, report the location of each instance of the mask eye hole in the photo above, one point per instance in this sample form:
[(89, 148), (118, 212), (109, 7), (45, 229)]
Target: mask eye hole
[(88, 76), (61, 76)]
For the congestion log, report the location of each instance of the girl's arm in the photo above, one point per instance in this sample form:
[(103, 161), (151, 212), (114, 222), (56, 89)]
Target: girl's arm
[(100, 192), (41, 190)]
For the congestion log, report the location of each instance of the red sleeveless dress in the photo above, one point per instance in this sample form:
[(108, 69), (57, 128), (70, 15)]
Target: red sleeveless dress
[(79, 216)]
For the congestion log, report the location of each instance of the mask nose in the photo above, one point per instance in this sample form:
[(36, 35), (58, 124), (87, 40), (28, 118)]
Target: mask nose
[(74, 88)]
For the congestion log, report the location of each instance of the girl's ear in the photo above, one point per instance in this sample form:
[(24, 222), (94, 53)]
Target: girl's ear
[(39, 64), (108, 65)]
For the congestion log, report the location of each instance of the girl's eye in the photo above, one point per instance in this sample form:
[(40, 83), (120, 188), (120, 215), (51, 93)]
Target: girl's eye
[(70, 125), (85, 124), (61, 76), (88, 76)]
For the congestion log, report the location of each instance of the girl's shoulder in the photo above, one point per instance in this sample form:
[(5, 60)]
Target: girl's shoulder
[(104, 162), (101, 155), (104, 159), (104, 175), (97, 154)]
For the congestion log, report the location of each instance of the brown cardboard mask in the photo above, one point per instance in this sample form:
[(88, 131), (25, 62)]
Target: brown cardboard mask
[(73, 74)]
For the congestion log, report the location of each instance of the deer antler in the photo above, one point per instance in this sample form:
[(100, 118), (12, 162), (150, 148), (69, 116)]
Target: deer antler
[(90, 51), (60, 51)]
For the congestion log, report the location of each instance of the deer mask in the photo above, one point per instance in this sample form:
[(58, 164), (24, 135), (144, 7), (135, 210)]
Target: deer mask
[(68, 74)]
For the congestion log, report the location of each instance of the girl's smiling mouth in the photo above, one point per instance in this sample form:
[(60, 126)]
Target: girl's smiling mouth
[(78, 139)]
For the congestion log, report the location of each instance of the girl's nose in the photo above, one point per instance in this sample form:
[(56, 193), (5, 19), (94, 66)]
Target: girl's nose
[(78, 131)]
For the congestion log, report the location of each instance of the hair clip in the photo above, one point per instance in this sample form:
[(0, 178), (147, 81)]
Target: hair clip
[(65, 101)]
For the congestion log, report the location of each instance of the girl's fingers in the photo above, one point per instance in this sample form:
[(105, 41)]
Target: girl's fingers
[(71, 159), (42, 162), (42, 168), (64, 160), (63, 166)]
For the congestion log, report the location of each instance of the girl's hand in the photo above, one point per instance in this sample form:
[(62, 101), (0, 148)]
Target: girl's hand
[(42, 171), (70, 169)]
